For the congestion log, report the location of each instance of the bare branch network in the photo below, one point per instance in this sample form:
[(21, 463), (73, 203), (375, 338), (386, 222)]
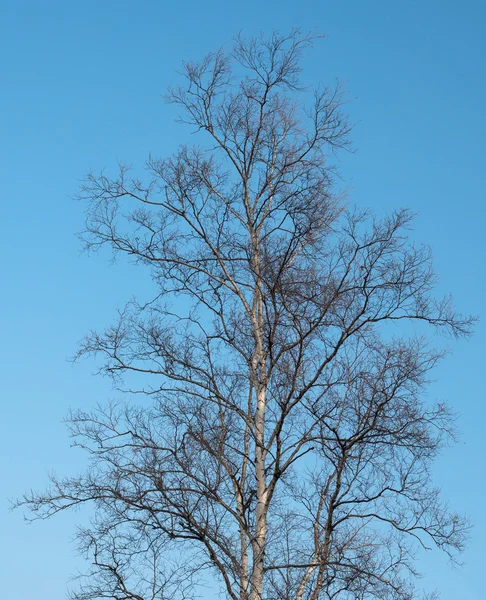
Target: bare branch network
[(285, 449)]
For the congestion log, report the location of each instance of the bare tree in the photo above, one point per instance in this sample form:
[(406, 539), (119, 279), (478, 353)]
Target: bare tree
[(286, 447)]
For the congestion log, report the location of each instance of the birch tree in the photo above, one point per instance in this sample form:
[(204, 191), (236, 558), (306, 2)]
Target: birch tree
[(282, 449)]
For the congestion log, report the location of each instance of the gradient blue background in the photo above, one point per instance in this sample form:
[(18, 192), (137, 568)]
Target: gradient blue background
[(80, 87)]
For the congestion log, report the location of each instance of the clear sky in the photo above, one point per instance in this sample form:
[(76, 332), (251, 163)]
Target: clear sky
[(81, 85)]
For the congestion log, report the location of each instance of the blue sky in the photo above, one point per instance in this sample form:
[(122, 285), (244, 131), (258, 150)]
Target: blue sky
[(81, 86)]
